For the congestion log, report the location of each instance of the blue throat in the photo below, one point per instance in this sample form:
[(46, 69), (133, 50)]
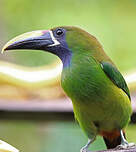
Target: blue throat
[(65, 57), (63, 52)]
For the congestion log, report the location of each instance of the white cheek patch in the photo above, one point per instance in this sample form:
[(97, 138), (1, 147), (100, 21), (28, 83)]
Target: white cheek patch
[(54, 40)]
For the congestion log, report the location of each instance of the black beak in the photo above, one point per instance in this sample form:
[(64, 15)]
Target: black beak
[(39, 40)]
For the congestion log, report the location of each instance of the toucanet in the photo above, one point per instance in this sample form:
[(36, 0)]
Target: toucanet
[(99, 93)]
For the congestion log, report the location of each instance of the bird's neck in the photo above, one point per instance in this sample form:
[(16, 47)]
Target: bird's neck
[(66, 59), (64, 53), (75, 76)]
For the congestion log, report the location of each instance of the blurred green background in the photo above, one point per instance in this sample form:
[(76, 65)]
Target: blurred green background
[(113, 22)]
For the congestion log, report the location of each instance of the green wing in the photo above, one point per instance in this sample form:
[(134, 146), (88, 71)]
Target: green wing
[(116, 77)]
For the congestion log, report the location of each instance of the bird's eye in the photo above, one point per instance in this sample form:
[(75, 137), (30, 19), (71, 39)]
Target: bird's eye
[(59, 32)]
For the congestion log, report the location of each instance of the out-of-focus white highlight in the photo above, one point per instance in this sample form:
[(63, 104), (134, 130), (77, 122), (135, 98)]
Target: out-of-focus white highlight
[(5, 147), (31, 76), (130, 78)]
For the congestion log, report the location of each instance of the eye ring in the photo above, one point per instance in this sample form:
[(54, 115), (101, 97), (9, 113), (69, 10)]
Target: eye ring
[(59, 32)]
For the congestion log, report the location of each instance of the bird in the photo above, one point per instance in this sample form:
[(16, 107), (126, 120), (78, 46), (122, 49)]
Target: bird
[(99, 94)]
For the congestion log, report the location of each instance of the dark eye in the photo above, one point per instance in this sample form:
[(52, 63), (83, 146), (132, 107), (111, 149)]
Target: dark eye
[(59, 32)]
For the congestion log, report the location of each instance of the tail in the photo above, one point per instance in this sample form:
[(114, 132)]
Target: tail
[(113, 139)]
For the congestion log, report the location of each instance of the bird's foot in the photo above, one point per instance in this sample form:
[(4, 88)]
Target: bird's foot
[(125, 146), (83, 149)]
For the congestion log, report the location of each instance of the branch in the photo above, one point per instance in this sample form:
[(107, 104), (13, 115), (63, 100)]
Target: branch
[(129, 149)]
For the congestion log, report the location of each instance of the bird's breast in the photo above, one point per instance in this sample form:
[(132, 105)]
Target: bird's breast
[(85, 81)]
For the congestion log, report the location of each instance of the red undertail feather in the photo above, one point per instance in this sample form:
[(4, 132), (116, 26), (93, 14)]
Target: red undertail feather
[(112, 139)]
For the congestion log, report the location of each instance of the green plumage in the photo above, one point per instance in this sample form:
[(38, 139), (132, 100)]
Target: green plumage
[(99, 94), (115, 76)]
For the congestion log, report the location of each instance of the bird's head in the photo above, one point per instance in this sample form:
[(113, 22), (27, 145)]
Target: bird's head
[(61, 41)]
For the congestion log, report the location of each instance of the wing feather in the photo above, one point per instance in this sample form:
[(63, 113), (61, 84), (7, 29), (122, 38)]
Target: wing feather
[(115, 76)]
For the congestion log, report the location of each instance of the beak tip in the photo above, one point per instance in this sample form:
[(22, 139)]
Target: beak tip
[(6, 47), (3, 49)]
